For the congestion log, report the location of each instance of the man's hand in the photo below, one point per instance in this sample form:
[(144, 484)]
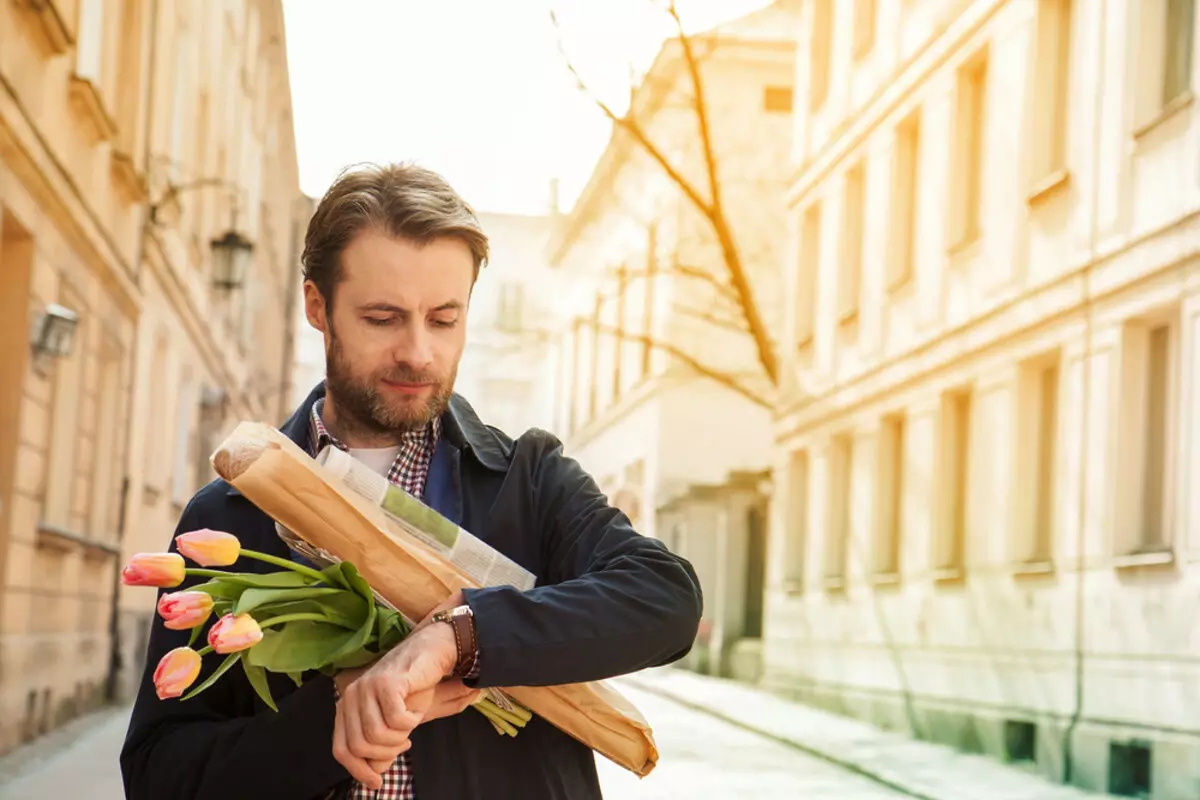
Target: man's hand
[(382, 705)]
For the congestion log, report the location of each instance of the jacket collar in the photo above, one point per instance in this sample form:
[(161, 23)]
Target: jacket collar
[(460, 425)]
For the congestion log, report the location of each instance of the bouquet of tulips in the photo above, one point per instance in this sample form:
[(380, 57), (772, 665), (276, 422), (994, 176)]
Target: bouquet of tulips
[(292, 621)]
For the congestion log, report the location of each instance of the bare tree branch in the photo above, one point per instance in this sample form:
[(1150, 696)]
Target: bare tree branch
[(716, 213), (738, 326), (630, 125), (728, 380)]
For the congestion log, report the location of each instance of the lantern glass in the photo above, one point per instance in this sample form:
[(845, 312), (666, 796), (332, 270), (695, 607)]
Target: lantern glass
[(232, 254)]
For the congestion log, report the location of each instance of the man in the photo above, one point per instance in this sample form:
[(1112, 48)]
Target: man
[(390, 259)]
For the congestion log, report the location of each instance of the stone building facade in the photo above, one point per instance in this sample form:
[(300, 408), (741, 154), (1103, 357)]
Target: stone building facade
[(133, 133), (983, 527)]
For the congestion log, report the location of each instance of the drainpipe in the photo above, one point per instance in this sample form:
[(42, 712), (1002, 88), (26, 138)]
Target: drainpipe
[(1081, 543), (114, 621)]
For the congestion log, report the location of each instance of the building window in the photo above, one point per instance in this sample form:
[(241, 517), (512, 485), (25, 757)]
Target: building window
[(969, 127), (777, 99), (955, 481), (648, 300), (509, 307), (796, 529), (1177, 65), (1037, 451), (1129, 769), (181, 473), (89, 44), (902, 255), (853, 214), (63, 468), (890, 520), (1147, 428), (838, 526), (1051, 87), (864, 27), (806, 278), (1020, 740), (821, 53)]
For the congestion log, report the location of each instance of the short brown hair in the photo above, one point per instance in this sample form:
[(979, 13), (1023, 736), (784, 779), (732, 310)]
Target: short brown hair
[(401, 200)]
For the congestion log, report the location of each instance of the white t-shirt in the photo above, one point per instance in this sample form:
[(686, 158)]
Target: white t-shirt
[(379, 459)]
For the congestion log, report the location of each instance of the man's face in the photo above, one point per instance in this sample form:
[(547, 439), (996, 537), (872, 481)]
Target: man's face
[(395, 331)]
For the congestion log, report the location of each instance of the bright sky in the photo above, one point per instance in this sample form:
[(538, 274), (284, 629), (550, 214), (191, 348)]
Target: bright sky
[(475, 89)]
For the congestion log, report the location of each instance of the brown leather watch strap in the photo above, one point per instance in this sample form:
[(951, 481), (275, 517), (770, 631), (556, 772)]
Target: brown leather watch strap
[(462, 621)]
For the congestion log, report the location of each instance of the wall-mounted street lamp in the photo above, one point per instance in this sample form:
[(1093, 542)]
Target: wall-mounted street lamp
[(53, 334), (232, 256), (232, 251)]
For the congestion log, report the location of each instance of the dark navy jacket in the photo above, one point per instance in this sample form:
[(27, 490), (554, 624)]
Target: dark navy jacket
[(608, 602)]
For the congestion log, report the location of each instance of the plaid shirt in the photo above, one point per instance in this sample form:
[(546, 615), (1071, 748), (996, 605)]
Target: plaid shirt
[(409, 471)]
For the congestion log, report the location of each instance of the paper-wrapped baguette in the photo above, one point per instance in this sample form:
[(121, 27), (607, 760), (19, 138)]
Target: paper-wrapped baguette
[(298, 493)]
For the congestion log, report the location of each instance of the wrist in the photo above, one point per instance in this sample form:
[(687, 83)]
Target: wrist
[(459, 624)]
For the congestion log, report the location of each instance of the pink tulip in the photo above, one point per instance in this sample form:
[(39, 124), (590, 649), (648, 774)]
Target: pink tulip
[(176, 671), (231, 634), (184, 610), (164, 570), (209, 548)]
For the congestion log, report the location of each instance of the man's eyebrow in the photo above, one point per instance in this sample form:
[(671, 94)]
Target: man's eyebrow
[(389, 307), (392, 308)]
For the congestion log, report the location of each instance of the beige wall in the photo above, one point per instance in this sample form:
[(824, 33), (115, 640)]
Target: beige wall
[(1071, 265), (92, 134), (625, 409)]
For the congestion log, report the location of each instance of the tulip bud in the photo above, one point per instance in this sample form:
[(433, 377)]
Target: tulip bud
[(209, 548), (230, 634), (176, 671), (164, 570), (184, 610)]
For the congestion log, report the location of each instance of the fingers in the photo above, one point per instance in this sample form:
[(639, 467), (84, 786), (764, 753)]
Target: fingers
[(360, 770), (451, 697)]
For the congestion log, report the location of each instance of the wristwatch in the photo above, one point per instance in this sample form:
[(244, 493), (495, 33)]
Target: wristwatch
[(462, 621)]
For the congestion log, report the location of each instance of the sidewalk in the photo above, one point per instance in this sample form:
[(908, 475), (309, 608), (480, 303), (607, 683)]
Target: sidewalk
[(77, 761), (919, 769)]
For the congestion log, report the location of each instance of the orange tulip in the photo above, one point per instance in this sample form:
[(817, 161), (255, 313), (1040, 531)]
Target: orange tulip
[(176, 671), (230, 634), (164, 570), (184, 610), (209, 548)]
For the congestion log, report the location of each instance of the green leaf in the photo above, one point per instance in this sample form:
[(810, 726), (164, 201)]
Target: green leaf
[(345, 608), (271, 580), (333, 573), (222, 607), (297, 678), (195, 634), (300, 646), (359, 658), (219, 588), (258, 679), (229, 661), (253, 598)]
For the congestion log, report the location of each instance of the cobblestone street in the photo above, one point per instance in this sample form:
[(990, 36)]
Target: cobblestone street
[(702, 753), (699, 757)]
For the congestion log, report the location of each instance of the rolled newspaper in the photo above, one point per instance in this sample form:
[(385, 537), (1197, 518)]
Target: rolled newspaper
[(414, 572)]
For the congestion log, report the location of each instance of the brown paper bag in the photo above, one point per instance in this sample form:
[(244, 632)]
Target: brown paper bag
[(297, 492)]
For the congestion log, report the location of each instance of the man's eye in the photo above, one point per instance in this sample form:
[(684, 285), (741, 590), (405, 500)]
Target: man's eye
[(445, 323), (377, 321)]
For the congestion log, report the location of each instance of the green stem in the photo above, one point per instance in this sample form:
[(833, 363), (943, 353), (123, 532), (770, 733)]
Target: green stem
[(306, 616), (207, 573), (285, 563), (203, 651)]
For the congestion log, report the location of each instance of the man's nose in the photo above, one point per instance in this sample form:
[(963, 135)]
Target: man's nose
[(415, 347)]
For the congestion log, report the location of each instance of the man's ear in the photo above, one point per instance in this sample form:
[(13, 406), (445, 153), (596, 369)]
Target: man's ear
[(315, 308)]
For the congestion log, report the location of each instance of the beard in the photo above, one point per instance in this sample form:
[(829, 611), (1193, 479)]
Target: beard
[(360, 404)]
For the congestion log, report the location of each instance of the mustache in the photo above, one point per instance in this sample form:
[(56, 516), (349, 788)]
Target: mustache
[(405, 374)]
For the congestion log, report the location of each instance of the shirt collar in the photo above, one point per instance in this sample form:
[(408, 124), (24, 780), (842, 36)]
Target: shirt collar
[(321, 437)]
